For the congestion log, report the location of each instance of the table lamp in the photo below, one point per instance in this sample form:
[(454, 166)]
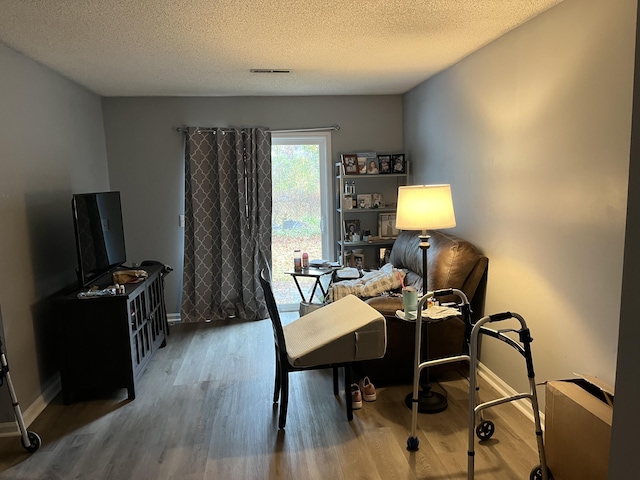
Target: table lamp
[(425, 207)]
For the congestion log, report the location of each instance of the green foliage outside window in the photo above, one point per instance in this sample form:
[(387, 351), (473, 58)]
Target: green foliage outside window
[(296, 186)]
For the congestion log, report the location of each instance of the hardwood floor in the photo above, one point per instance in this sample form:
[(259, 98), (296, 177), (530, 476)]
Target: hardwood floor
[(204, 411)]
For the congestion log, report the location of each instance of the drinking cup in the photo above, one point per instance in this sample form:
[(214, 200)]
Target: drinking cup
[(410, 302)]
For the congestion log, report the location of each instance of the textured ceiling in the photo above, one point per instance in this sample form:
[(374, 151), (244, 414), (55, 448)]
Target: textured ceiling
[(205, 47)]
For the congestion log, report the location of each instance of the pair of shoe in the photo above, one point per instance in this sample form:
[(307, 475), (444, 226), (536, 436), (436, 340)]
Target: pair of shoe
[(365, 389)]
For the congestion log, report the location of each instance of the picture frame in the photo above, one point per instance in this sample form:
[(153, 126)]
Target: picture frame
[(377, 200), (350, 163), (387, 225), (351, 226), (347, 202), (385, 254), (373, 166), (348, 259), (398, 163), (355, 260), (384, 163), (358, 260), (362, 165), (364, 200), (367, 158)]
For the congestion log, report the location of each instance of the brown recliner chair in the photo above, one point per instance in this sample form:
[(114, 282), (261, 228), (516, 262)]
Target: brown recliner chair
[(452, 263)]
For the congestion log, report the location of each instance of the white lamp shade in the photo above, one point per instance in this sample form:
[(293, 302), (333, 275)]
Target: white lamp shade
[(425, 207)]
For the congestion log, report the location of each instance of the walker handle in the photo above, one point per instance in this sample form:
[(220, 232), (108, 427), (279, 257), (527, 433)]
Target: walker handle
[(443, 292), (498, 317)]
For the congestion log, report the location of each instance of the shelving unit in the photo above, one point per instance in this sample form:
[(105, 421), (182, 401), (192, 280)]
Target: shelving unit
[(386, 184)]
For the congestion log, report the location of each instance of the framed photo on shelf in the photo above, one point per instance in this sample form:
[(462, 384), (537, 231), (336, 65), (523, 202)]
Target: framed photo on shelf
[(350, 227), (398, 163), (367, 158), (372, 166), (364, 200), (347, 202), (355, 260), (350, 163), (384, 163), (362, 165), (387, 225), (377, 200), (385, 254)]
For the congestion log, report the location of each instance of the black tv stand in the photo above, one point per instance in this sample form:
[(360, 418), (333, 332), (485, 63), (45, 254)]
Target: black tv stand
[(106, 342)]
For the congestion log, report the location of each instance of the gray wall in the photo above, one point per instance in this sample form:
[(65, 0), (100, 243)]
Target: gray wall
[(533, 133), (51, 145), (146, 154)]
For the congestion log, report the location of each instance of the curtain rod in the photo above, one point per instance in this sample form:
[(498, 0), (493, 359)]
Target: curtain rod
[(333, 128)]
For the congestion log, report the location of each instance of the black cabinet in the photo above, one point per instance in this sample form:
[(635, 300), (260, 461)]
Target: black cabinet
[(106, 342)]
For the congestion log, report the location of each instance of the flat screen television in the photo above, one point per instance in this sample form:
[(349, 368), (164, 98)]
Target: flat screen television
[(99, 233)]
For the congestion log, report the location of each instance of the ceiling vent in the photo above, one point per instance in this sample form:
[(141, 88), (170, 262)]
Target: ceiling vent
[(269, 70)]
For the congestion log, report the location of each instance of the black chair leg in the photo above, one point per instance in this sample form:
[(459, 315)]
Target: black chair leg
[(347, 391), (284, 400), (278, 380), (336, 381)]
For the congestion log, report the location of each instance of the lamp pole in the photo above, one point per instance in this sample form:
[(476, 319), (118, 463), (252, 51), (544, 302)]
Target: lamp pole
[(428, 400), (423, 208)]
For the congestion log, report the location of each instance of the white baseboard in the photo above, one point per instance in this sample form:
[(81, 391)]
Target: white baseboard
[(174, 318), (505, 390), (52, 388)]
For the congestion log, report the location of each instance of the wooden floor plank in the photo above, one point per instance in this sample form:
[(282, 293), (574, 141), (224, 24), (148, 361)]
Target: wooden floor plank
[(204, 411)]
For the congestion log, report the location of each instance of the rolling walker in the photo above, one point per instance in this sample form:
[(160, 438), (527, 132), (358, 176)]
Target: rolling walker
[(30, 440), (485, 428)]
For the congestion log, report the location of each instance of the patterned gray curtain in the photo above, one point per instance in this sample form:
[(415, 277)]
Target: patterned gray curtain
[(227, 235)]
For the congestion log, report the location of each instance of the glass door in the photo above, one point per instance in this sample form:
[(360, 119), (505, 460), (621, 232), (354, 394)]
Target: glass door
[(301, 210)]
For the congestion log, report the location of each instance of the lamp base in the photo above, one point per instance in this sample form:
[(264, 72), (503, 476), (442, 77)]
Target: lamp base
[(428, 401)]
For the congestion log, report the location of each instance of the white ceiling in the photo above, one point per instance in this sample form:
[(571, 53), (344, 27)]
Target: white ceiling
[(207, 47)]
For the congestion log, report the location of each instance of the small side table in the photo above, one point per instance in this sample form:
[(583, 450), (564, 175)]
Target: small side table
[(316, 273)]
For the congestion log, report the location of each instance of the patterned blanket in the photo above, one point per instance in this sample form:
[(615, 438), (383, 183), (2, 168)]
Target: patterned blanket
[(371, 284)]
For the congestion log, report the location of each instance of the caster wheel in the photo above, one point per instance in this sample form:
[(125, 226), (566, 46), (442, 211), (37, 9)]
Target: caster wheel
[(536, 473), (485, 430), (34, 442), (412, 444)]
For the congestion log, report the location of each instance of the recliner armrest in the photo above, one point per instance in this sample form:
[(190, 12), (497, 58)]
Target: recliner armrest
[(386, 304)]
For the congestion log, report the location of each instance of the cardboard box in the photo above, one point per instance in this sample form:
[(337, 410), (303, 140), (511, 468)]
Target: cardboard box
[(578, 416)]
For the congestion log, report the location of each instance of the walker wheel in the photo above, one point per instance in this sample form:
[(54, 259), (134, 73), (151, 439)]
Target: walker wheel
[(485, 430), (412, 444), (536, 473), (34, 442)]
